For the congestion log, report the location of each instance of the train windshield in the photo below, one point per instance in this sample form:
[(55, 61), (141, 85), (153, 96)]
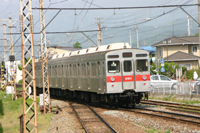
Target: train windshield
[(142, 65), (113, 66)]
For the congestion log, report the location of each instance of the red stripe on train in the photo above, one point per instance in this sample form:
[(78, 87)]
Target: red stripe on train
[(128, 78)]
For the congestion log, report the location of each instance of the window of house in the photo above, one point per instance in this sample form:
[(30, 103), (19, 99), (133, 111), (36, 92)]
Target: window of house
[(188, 66), (194, 49)]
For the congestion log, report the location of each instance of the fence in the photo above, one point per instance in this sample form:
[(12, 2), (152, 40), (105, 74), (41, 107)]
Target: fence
[(188, 87)]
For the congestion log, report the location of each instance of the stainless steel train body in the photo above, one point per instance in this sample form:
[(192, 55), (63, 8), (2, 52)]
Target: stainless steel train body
[(111, 76)]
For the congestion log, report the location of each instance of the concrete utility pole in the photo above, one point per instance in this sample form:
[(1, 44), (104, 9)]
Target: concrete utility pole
[(3, 84), (30, 123), (99, 39), (188, 26), (12, 59), (45, 77), (199, 22), (130, 37)]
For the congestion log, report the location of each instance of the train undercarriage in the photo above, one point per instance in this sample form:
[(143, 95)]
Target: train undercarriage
[(127, 98)]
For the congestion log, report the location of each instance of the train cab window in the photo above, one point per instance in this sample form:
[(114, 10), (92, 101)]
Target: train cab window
[(127, 66), (113, 66), (141, 65)]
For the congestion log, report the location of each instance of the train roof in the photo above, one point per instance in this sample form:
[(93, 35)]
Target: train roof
[(97, 49)]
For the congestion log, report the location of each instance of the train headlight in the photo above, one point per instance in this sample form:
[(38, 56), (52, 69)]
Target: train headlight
[(144, 78), (112, 79)]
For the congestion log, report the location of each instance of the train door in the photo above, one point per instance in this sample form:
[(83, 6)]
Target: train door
[(128, 74)]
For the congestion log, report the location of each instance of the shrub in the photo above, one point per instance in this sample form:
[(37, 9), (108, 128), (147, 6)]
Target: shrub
[(20, 81)]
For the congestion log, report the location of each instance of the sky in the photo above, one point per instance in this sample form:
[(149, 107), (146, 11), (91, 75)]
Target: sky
[(115, 24)]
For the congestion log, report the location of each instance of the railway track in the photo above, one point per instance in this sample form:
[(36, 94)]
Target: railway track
[(166, 115), (174, 106), (90, 120)]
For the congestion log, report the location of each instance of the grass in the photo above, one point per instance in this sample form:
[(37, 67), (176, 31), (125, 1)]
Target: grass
[(173, 99), (11, 110)]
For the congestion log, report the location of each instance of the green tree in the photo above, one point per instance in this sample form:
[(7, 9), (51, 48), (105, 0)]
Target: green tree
[(197, 34), (170, 69), (20, 67), (77, 45)]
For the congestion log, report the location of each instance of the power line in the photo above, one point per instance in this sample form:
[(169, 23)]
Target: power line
[(111, 8), (62, 32)]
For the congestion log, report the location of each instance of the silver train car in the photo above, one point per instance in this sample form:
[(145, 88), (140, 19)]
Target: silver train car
[(114, 77)]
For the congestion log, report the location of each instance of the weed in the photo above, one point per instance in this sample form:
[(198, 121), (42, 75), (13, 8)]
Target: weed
[(168, 131)]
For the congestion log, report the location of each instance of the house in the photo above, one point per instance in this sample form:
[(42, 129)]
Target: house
[(182, 50)]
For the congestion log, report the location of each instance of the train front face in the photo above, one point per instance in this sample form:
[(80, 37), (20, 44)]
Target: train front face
[(128, 73)]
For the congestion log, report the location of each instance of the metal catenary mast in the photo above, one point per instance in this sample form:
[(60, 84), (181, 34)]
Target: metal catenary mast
[(46, 92), (28, 59)]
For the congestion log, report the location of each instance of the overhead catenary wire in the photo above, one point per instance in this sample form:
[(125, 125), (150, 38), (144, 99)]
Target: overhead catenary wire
[(111, 8)]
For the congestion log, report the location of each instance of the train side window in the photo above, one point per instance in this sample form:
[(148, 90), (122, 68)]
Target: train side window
[(83, 70), (71, 70), (66, 70), (127, 66), (56, 70), (79, 70), (74, 70), (113, 66), (59, 71), (49, 71), (63, 70), (142, 65), (94, 72), (52, 71), (88, 69), (99, 68)]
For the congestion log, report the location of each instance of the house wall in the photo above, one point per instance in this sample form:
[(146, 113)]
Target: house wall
[(193, 64), (174, 49)]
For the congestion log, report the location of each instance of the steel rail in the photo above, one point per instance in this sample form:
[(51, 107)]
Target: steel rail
[(172, 105), (161, 116), (171, 113), (185, 111), (114, 131), (79, 118)]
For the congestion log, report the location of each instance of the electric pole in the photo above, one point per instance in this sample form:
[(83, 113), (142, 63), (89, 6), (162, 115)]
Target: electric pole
[(45, 77), (130, 37), (99, 39), (10, 23), (3, 84), (199, 25), (27, 45), (12, 59)]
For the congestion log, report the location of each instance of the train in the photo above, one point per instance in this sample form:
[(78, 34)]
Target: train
[(113, 74)]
